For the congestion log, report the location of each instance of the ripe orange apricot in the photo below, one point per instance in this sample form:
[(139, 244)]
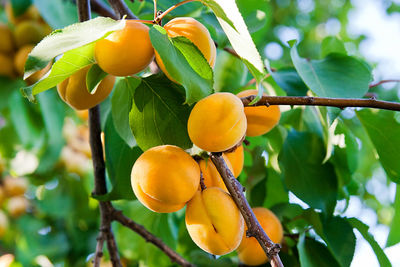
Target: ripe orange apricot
[(74, 92), (196, 33), (7, 39), (6, 65), (30, 14), (17, 206), (125, 52), (211, 176), (236, 158), (3, 223), (262, 119), (214, 222), (29, 32), (250, 252), (164, 178), (217, 122), (15, 186)]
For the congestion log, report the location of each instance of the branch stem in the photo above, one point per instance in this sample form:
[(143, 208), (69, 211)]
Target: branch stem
[(121, 9)]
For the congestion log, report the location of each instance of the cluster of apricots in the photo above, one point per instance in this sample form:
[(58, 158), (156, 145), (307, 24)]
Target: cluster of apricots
[(129, 51), (12, 190), (17, 39)]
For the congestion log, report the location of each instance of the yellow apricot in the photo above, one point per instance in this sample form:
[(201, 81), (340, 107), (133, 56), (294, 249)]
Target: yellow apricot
[(164, 178), (7, 39), (214, 222), (29, 32), (30, 14), (211, 176), (262, 119), (125, 52), (15, 186), (250, 251), (74, 92), (6, 65), (2, 195), (3, 223), (17, 206), (236, 158), (217, 122), (196, 33), (19, 64)]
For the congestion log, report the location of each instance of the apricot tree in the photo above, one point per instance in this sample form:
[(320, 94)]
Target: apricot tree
[(200, 135)]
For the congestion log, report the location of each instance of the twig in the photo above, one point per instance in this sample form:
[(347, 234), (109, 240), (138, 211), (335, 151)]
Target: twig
[(162, 15), (121, 9), (254, 228), (321, 101), (102, 9), (149, 237), (382, 82)]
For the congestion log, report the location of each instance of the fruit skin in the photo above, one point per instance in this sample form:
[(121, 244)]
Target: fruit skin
[(6, 65), (30, 14), (236, 158), (211, 176), (250, 252), (17, 206), (164, 178), (29, 32), (74, 92), (262, 119), (196, 33), (125, 52), (15, 186), (217, 122), (214, 222), (3, 223), (7, 39)]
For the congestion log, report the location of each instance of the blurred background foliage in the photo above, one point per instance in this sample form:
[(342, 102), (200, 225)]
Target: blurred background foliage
[(47, 144)]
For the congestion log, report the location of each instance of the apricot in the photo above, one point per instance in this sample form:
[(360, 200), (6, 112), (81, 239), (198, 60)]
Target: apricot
[(211, 176), (29, 32), (6, 65), (236, 159), (125, 52), (196, 33), (164, 178), (261, 119), (74, 92), (7, 39), (15, 186), (217, 122), (3, 223), (250, 251), (2, 195), (17, 206), (30, 14), (214, 222)]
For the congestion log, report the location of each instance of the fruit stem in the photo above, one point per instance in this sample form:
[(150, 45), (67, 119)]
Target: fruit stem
[(155, 9), (145, 21), (202, 184), (162, 15)]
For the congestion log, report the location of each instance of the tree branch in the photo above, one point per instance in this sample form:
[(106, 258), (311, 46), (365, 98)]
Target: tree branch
[(382, 82), (121, 9), (149, 237), (321, 101), (102, 9), (254, 228)]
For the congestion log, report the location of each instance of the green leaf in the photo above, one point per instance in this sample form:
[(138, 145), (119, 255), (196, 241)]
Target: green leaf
[(63, 13), (303, 172), (158, 115), (119, 161), (184, 63), (289, 80), (394, 233), (332, 44), (218, 11), (67, 65), (337, 75), (20, 6), (121, 104), (341, 245), (229, 73), (94, 77), (363, 229), (314, 254), (384, 131), (238, 35), (8, 86), (71, 37)]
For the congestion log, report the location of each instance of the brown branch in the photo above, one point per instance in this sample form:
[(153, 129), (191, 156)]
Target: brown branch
[(149, 237), (382, 82), (321, 101), (254, 228), (121, 9), (102, 9)]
